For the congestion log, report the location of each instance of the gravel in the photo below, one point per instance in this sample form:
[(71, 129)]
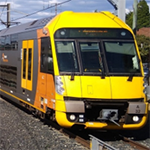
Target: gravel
[(22, 131)]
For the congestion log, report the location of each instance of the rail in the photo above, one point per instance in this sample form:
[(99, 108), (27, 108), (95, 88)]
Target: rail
[(97, 144)]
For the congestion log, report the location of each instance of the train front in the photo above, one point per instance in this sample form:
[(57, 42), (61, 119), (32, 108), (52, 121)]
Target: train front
[(99, 83)]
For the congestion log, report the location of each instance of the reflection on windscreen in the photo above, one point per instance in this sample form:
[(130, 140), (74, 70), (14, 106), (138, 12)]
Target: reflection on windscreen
[(66, 56), (121, 57), (91, 58)]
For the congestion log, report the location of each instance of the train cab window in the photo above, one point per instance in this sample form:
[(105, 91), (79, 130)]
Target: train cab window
[(91, 57), (46, 56), (67, 56), (121, 57)]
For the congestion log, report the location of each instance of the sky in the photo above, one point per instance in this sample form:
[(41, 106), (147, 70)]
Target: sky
[(20, 8)]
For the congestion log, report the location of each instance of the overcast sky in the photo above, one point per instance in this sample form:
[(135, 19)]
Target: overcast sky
[(20, 8)]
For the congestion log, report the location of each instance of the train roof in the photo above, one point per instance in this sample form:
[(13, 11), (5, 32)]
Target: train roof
[(36, 24), (70, 19)]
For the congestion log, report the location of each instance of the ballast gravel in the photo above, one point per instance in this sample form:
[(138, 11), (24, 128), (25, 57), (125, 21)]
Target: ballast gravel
[(21, 131)]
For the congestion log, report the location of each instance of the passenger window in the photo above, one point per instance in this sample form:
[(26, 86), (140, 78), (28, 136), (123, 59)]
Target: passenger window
[(29, 63), (14, 41), (24, 64), (7, 43), (2, 43)]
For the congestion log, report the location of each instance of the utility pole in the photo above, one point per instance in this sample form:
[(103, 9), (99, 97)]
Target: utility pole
[(119, 7), (8, 14), (134, 25), (55, 8)]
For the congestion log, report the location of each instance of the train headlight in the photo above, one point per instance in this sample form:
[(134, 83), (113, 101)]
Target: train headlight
[(135, 118), (72, 117), (59, 85)]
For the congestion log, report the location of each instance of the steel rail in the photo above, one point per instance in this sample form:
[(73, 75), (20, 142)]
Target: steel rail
[(135, 144)]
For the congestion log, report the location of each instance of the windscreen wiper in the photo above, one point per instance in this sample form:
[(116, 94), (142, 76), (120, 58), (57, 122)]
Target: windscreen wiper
[(103, 74), (72, 76), (130, 77)]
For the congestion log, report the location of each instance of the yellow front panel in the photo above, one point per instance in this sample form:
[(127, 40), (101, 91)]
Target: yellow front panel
[(122, 88), (95, 87), (62, 119), (72, 87), (60, 106)]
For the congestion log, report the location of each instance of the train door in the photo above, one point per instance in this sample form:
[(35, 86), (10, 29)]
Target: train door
[(46, 74), (27, 64)]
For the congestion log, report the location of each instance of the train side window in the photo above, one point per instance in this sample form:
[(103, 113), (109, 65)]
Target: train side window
[(24, 63), (14, 41), (29, 63), (7, 43), (46, 56), (2, 43)]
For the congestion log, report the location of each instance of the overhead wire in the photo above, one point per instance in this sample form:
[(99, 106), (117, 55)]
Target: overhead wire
[(3, 9), (3, 23), (40, 10)]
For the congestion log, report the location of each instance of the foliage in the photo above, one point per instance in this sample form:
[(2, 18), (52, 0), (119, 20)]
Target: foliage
[(143, 15), (143, 20), (144, 46), (129, 19)]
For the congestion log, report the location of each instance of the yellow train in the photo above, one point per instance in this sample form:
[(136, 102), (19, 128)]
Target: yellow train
[(81, 69)]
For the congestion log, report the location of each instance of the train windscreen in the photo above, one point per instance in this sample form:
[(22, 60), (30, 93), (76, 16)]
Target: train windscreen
[(67, 57), (97, 51), (121, 57)]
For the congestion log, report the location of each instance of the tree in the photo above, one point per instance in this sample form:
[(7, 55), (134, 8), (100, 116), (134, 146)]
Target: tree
[(143, 20), (129, 19), (143, 15), (144, 46)]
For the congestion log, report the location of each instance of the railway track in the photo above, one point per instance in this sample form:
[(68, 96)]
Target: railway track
[(100, 144), (86, 142), (134, 144), (70, 134)]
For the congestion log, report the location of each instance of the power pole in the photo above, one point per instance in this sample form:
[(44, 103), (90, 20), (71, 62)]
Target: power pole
[(55, 8), (134, 25), (8, 14), (119, 7)]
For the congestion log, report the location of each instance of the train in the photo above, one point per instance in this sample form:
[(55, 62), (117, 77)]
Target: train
[(79, 69)]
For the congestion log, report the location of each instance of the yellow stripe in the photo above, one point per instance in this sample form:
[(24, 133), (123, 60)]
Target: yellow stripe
[(22, 100)]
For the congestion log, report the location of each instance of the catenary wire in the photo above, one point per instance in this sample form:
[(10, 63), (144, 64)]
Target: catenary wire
[(40, 10)]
